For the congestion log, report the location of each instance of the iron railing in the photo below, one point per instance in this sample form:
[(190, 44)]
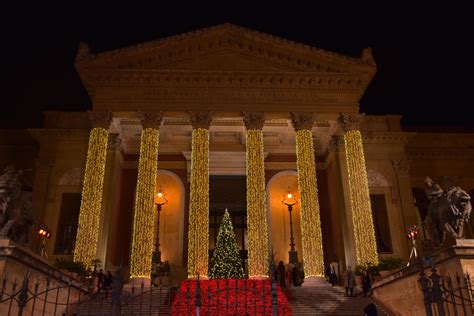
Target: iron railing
[(446, 295)]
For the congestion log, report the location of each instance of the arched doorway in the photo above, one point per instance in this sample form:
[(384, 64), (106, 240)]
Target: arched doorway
[(278, 215), (171, 218)]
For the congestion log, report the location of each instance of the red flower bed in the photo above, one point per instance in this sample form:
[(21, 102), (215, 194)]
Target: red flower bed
[(229, 297)]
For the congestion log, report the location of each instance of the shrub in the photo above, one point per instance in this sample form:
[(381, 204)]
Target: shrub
[(370, 268), (385, 264), (391, 263), (71, 266)]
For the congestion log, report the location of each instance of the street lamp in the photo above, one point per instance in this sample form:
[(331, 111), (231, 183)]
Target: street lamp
[(160, 200), (45, 233), (289, 200)]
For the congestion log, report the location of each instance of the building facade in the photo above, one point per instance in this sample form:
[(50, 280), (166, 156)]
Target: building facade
[(227, 117)]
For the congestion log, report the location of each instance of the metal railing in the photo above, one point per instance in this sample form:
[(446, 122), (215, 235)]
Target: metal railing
[(68, 296), (446, 295)]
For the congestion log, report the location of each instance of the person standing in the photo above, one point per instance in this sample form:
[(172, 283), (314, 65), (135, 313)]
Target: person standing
[(332, 276), (335, 267), (366, 283), (101, 280), (281, 274), (349, 281)]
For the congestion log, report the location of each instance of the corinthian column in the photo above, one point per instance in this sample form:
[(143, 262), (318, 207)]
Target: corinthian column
[(364, 234), (142, 238), (198, 234), (256, 201), (91, 203), (312, 243)]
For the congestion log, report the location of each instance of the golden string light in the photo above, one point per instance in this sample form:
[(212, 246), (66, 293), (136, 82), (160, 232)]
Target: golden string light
[(91, 201), (366, 248), (256, 206), (143, 221), (312, 243), (198, 234)]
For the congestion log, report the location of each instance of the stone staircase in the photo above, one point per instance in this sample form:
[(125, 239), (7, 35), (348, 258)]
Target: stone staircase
[(326, 300), (156, 302)]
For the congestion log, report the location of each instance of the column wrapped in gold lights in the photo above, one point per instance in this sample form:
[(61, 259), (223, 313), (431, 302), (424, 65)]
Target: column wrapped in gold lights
[(256, 197), (198, 233), (311, 237), (143, 219), (364, 234), (87, 236)]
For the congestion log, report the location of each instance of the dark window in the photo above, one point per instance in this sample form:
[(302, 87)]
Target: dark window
[(67, 225), (382, 229)]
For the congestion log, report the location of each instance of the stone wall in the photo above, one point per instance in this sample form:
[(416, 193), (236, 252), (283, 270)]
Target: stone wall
[(401, 293)]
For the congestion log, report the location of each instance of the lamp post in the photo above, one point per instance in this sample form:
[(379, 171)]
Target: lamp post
[(289, 201), (44, 233), (160, 200)]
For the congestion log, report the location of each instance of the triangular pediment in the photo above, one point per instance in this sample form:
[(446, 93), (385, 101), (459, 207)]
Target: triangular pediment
[(226, 47)]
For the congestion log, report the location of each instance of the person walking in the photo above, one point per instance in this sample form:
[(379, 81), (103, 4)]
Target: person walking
[(349, 281), (366, 283)]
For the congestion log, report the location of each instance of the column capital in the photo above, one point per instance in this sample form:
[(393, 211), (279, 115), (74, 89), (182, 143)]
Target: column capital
[(253, 120), (114, 141), (402, 167), (302, 120), (200, 119), (350, 121), (100, 119), (151, 119)]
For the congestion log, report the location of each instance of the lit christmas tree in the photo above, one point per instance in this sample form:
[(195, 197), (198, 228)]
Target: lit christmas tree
[(225, 261)]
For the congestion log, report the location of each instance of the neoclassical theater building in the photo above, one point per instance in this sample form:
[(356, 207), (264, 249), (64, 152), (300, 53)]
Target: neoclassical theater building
[(229, 118)]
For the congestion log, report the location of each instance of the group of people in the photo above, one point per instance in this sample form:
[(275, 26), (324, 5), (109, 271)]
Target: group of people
[(290, 275), (348, 278), (104, 281)]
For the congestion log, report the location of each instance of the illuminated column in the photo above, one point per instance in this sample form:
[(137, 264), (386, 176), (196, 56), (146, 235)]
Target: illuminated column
[(143, 226), (110, 200), (256, 197), (91, 203), (198, 234), (312, 243), (364, 235)]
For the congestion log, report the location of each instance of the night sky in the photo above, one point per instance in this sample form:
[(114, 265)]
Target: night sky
[(422, 57)]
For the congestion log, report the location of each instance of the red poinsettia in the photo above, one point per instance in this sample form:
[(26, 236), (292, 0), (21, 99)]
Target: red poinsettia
[(229, 297)]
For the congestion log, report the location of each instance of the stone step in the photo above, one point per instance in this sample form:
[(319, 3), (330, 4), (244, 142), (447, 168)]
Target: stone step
[(326, 300)]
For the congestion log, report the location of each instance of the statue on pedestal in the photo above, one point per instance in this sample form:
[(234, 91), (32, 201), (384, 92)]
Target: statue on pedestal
[(447, 212), (15, 206)]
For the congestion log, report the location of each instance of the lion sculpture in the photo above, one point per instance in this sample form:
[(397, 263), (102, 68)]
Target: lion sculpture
[(447, 212), (15, 207)]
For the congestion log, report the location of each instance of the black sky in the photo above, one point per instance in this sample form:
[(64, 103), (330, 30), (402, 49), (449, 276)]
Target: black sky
[(422, 56)]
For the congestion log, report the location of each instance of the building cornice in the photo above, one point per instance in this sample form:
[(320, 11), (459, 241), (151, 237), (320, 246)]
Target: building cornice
[(245, 41), (392, 138)]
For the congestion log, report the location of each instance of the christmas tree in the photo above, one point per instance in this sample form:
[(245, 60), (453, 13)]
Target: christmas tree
[(226, 262)]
